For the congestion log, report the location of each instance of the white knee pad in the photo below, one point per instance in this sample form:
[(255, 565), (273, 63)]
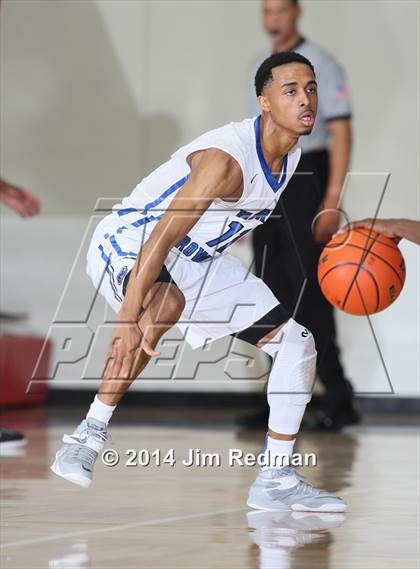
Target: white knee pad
[(292, 376)]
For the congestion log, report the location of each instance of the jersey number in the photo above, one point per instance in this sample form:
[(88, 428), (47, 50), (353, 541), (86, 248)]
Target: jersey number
[(234, 228)]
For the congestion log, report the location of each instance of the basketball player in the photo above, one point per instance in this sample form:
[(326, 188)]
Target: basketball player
[(170, 236)]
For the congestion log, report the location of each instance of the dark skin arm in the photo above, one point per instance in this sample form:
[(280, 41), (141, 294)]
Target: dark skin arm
[(396, 229), (339, 160), (214, 174)]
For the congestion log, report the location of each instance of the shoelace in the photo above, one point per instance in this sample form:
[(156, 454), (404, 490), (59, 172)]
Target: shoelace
[(302, 487), (84, 453), (103, 436), (81, 450)]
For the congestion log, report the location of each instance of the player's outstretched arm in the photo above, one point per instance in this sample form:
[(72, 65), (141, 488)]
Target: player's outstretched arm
[(395, 228)]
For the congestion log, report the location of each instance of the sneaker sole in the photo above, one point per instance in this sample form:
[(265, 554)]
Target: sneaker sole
[(285, 508), (333, 518), (11, 445), (83, 482), (326, 508), (13, 449)]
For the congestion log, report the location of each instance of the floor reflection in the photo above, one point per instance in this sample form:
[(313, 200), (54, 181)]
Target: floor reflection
[(279, 534), (75, 556)]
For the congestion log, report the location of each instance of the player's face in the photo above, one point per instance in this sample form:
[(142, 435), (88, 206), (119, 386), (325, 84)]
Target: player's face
[(291, 98), (280, 19)]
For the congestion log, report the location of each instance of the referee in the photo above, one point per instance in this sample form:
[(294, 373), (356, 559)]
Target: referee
[(316, 186)]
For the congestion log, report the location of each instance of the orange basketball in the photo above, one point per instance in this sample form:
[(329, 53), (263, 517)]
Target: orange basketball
[(361, 271)]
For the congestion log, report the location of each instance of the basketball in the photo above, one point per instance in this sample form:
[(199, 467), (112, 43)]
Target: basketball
[(361, 272)]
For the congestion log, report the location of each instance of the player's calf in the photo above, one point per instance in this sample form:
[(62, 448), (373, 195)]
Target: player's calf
[(76, 458), (290, 383)]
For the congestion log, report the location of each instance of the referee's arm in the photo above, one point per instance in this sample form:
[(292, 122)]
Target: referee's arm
[(337, 112), (339, 154)]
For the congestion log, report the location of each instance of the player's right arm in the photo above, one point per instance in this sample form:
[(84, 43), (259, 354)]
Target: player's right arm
[(214, 174)]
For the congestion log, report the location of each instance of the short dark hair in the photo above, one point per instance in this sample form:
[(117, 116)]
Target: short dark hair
[(264, 73)]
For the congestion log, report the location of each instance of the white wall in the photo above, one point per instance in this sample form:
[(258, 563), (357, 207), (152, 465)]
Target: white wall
[(96, 93)]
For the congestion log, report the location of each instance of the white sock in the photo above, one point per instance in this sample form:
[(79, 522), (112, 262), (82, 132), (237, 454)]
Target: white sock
[(277, 453), (100, 411)]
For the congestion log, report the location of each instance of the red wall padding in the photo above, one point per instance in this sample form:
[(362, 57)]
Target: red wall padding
[(18, 357)]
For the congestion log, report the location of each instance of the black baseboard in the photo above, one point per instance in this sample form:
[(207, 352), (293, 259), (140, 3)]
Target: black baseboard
[(163, 399), (380, 404)]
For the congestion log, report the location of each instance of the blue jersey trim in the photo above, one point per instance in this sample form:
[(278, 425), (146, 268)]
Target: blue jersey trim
[(144, 220), (110, 273), (118, 249), (158, 200), (274, 183), (138, 222), (165, 194), (127, 210)]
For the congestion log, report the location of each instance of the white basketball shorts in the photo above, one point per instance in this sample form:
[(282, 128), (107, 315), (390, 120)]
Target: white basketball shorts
[(222, 297)]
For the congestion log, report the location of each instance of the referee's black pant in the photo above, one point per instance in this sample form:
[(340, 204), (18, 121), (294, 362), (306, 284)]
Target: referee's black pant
[(286, 254)]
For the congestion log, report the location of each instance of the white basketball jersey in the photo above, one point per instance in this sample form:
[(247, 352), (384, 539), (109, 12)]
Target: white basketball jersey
[(224, 222)]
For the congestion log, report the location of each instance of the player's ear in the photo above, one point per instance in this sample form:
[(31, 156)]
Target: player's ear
[(264, 104)]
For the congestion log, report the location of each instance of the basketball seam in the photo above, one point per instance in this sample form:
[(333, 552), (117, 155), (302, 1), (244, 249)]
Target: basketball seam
[(379, 257), (347, 263), (363, 300), (378, 294), (362, 260)]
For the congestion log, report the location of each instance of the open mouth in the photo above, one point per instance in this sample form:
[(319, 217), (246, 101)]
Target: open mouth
[(307, 118)]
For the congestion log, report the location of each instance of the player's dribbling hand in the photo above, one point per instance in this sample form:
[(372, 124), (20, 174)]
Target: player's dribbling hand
[(387, 227), (125, 348)]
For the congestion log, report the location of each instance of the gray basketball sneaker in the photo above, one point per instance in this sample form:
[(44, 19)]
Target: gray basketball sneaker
[(76, 458), (283, 489)]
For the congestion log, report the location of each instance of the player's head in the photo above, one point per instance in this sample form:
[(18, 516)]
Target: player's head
[(280, 19), (286, 89)]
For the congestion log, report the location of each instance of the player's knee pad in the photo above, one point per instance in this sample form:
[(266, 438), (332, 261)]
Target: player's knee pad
[(294, 362)]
